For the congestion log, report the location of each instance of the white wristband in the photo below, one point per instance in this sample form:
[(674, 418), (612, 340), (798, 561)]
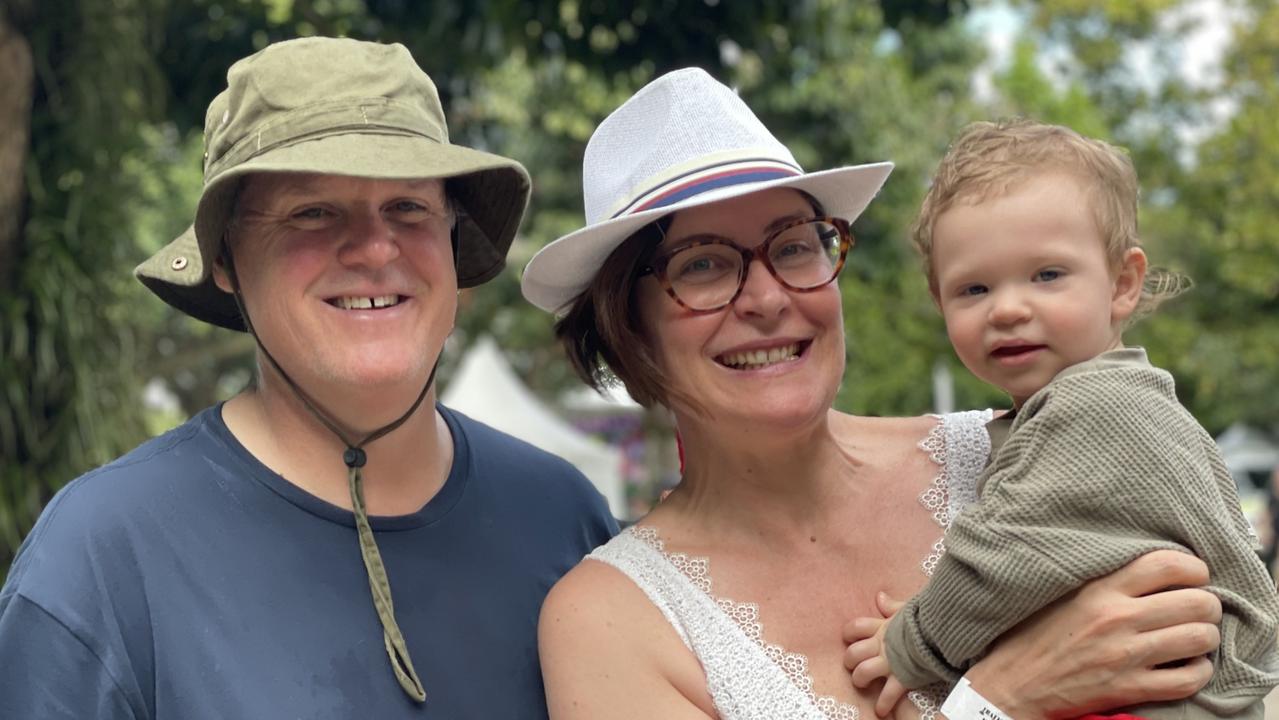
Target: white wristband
[(965, 703)]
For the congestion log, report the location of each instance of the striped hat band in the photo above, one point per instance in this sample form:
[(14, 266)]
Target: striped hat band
[(705, 179)]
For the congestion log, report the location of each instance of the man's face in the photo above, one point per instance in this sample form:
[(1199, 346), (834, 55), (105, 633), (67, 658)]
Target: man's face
[(349, 282)]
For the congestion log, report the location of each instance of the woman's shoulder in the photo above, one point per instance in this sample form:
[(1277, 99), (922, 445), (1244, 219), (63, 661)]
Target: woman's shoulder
[(597, 596), (913, 428), (593, 615), (597, 626), (604, 585), (901, 428), (945, 453), (593, 592)]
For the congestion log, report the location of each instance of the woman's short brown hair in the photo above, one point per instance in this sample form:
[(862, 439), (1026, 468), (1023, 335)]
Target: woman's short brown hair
[(602, 332)]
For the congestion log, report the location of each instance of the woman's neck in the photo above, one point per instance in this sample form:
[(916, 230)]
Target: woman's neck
[(781, 484)]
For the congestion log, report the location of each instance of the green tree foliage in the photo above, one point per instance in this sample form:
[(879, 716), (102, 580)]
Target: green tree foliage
[(114, 170), (1210, 197), (67, 351), (1026, 90), (1222, 224)]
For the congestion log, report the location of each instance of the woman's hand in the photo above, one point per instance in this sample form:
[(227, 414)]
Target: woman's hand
[(1114, 642)]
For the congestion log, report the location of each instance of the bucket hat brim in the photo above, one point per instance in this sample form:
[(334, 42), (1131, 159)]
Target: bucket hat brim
[(562, 270), (492, 191)]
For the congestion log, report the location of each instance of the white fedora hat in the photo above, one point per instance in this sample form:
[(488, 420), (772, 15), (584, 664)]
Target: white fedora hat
[(682, 141)]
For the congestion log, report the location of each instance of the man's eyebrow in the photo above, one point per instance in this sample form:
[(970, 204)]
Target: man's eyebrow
[(439, 197), (419, 182), (306, 185), (300, 185)]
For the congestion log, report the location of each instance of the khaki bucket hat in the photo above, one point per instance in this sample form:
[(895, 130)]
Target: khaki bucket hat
[(340, 107)]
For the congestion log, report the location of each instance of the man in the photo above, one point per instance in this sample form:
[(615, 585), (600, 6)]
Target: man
[(330, 543)]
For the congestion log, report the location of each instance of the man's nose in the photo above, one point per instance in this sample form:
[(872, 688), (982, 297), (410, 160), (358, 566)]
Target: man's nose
[(370, 240)]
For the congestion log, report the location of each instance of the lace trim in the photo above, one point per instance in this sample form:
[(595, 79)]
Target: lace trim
[(960, 447), (746, 616), (958, 444), (929, 700)]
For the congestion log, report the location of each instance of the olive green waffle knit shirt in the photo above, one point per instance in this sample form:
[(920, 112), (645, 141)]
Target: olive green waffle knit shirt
[(1099, 467)]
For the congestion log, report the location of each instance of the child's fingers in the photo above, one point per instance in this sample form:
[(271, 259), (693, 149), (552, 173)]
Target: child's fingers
[(861, 628), (889, 697), (860, 652), (888, 605), (868, 671)]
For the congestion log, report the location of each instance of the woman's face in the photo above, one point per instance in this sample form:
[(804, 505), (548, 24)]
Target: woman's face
[(773, 357)]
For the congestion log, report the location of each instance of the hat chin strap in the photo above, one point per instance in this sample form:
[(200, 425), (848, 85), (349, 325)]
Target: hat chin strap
[(354, 457)]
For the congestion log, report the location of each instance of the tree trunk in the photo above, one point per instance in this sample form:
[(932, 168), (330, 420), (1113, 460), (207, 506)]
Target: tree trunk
[(17, 82)]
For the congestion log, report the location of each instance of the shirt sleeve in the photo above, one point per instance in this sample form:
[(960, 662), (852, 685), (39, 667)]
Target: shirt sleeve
[(47, 672), (1059, 507)]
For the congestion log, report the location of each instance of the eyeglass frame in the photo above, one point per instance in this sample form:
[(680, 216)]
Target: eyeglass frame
[(657, 264)]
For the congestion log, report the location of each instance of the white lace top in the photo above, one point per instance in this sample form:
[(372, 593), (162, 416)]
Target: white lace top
[(747, 678)]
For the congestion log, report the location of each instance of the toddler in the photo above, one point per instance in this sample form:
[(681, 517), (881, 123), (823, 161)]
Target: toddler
[(1029, 239)]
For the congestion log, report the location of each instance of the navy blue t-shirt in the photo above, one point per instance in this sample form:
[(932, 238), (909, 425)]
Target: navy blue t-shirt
[(187, 580)]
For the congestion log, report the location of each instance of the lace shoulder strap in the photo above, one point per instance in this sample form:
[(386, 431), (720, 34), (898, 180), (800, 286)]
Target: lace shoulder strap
[(746, 679), (661, 581), (960, 446)]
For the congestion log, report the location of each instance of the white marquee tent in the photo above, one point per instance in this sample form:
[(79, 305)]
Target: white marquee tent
[(1247, 450), (485, 387), (586, 401), (1249, 453)]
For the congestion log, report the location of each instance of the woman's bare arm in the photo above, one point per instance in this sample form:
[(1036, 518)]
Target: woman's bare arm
[(608, 653)]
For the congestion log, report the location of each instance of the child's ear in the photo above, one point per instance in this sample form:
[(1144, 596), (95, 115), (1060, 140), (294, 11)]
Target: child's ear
[(1129, 280)]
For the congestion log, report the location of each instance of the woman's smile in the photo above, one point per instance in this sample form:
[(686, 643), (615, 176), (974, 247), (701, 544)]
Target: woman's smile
[(762, 357)]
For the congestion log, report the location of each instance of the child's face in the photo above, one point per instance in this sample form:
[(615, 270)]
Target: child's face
[(1025, 285)]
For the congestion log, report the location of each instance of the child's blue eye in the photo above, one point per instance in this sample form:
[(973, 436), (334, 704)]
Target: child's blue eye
[(1047, 275), (973, 290)]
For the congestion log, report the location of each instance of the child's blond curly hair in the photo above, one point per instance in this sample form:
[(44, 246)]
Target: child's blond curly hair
[(987, 158)]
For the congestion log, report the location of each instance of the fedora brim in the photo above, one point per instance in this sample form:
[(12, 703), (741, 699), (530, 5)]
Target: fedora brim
[(492, 190), (562, 270)]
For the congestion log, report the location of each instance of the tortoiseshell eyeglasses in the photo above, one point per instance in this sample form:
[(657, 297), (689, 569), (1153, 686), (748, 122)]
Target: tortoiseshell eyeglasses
[(707, 273)]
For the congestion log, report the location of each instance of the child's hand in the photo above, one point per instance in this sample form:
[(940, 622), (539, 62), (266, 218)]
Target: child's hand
[(866, 658)]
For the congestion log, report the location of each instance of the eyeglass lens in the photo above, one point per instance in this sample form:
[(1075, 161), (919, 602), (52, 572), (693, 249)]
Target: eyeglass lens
[(801, 257)]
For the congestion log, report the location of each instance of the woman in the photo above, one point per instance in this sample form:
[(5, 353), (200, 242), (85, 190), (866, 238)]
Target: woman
[(727, 600)]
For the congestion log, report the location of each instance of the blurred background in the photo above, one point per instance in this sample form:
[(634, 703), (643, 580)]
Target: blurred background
[(101, 112)]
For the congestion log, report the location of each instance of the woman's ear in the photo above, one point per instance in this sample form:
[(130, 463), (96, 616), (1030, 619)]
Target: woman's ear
[(1129, 281)]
